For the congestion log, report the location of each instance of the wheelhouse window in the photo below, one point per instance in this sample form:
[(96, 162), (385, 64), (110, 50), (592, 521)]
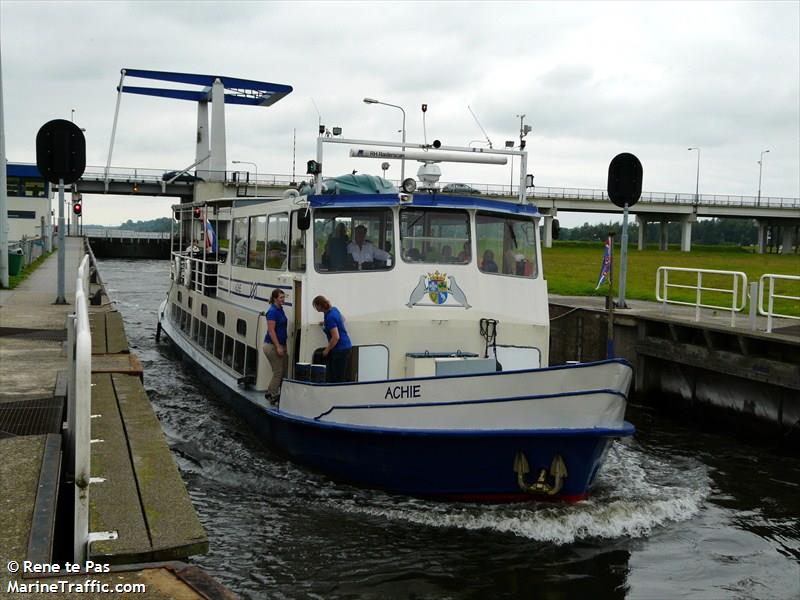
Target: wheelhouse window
[(277, 241), (240, 242), (255, 247), (506, 244), (353, 240), (435, 236), (297, 245)]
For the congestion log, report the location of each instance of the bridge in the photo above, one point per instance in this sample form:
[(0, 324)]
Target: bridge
[(661, 207), (775, 213)]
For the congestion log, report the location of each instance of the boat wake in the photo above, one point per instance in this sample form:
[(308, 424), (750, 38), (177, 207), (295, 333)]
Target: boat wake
[(636, 492)]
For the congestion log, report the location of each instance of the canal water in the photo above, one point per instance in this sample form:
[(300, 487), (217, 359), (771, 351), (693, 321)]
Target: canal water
[(676, 513)]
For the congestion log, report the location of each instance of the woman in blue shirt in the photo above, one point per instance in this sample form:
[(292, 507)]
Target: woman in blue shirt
[(275, 343), (338, 349)]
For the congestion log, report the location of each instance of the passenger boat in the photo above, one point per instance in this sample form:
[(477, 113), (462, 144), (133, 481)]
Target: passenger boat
[(450, 393)]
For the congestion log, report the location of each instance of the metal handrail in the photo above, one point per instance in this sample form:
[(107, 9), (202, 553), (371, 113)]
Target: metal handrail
[(771, 296), (737, 302), (81, 401)]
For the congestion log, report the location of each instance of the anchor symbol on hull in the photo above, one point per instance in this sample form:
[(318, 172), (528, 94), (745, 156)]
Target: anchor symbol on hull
[(558, 471)]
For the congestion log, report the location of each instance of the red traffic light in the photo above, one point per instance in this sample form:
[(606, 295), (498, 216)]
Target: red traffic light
[(77, 209)]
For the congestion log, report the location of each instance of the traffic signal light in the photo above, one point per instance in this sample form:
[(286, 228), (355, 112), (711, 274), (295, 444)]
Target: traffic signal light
[(77, 209)]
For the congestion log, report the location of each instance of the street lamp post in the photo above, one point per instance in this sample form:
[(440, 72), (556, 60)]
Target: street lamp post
[(697, 180), (255, 166), (760, 168), (403, 161)]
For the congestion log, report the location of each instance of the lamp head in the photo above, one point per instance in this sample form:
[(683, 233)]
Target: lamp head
[(370, 101)]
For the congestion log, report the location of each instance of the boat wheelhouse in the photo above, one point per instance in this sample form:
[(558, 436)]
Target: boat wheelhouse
[(450, 393)]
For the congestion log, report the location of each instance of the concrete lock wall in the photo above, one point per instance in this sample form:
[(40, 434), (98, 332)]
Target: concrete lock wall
[(739, 380), (130, 248)]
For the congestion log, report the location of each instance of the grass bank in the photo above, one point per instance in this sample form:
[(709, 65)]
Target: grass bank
[(15, 280), (572, 269)]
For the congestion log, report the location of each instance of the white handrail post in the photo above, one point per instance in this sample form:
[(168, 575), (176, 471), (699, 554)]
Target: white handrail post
[(699, 295), (734, 299), (754, 294), (770, 303)]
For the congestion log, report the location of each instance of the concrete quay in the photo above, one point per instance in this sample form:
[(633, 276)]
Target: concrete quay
[(141, 496)]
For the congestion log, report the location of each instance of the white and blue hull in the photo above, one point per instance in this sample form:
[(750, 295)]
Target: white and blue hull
[(453, 437)]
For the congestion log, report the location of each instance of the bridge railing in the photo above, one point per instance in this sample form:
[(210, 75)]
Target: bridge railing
[(768, 280), (737, 291)]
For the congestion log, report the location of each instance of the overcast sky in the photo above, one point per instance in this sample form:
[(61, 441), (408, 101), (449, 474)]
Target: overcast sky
[(593, 78)]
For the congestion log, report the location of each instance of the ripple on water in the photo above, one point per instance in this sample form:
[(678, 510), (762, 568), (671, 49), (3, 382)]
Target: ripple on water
[(635, 493)]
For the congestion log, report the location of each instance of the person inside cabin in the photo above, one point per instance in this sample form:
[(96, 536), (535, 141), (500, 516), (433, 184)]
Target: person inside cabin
[(487, 264), (414, 255), (364, 252), (193, 248), (447, 255), (465, 254), (339, 347), (274, 347), (336, 249)]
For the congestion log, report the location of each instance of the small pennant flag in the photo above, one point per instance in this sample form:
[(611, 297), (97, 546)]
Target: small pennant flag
[(605, 269)]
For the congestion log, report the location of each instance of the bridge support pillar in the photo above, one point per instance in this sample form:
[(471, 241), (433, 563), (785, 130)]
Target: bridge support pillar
[(548, 231), (202, 140), (786, 242), (218, 162), (642, 223), (663, 235), (762, 237), (686, 232)]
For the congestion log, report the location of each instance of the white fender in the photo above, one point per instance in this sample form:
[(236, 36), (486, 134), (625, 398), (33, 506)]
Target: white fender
[(187, 273), (176, 269)]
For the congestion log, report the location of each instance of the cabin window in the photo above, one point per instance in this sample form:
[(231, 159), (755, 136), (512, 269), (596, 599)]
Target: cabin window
[(201, 339), (219, 340), (277, 241), (353, 239), (210, 340), (297, 246), (203, 310), (189, 300), (220, 318), (240, 242), (255, 247), (506, 244), (251, 364), (227, 356), (238, 358), (241, 326), (180, 297), (195, 327), (435, 236)]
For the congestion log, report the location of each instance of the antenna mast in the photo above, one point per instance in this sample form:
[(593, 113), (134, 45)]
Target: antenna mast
[(488, 141)]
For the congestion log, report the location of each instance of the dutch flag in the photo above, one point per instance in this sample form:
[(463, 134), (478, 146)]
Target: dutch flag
[(211, 238)]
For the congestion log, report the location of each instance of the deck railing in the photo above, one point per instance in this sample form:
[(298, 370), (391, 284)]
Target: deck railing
[(772, 278), (737, 291)]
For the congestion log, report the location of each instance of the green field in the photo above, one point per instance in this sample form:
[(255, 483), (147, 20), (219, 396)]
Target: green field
[(572, 269)]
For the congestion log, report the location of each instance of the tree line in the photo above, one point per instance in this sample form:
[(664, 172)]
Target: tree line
[(737, 232)]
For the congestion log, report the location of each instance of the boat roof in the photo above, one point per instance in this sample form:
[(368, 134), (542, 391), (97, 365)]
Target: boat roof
[(426, 200)]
